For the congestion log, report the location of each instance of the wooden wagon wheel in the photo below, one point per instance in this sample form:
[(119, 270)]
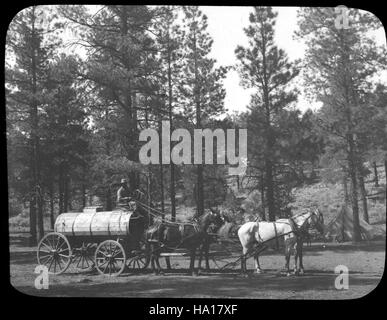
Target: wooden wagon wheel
[(139, 259), (110, 258), (54, 251), (83, 256)]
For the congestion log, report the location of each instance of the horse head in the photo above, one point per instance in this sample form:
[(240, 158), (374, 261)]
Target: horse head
[(216, 219), (317, 220)]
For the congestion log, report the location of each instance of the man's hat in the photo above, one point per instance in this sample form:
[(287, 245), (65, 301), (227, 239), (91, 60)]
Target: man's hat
[(124, 180)]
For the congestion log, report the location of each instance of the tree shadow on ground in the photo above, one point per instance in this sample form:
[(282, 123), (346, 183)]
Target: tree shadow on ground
[(23, 257), (19, 240)]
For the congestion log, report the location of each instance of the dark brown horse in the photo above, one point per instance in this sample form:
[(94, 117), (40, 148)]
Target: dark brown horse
[(214, 232), (164, 236)]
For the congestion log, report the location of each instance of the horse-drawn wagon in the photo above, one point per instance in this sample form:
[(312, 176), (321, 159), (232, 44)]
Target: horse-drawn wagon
[(106, 240), (110, 241)]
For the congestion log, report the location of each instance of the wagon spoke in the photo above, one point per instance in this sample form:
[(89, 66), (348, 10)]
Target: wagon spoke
[(59, 264), (49, 248), (57, 244), (114, 252), (78, 258), (49, 258), (60, 247), (103, 252), (115, 255), (44, 253), (86, 262), (64, 250), (106, 261), (91, 260), (104, 270), (52, 260)]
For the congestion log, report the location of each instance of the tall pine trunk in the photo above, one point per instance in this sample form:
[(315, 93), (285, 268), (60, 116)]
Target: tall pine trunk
[(199, 169), (345, 188), (269, 139), (33, 238), (270, 191), (83, 195), (52, 213), (385, 175), (60, 189), (149, 192), (354, 185), (363, 195), (263, 198), (172, 165), (35, 137), (65, 191), (376, 179), (161, 168), (149, 175)]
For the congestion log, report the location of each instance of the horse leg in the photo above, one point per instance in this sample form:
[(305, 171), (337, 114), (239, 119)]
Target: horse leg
[(256, 260), (300, 259), (296, 254), (201, 248), (153, 259), (243, 261), (206, 251), (287, 259), (192, 262), (157, 260)]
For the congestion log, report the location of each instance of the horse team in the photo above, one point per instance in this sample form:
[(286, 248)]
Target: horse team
[(197, 235)]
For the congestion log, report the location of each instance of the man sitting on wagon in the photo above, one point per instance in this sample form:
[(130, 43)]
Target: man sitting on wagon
[(123, 194)]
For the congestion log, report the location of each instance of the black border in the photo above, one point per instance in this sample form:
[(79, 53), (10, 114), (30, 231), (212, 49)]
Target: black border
[(138, 308)]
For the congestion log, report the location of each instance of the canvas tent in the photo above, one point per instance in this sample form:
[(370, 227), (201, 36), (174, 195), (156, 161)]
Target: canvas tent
[(341, 228)]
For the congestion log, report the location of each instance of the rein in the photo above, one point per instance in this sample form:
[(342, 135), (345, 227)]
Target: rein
[(163, 220)]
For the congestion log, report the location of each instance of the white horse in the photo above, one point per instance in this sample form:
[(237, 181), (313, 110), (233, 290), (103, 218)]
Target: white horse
[(252, 233)]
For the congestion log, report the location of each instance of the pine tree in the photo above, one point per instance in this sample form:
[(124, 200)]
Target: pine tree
[(202, 88), (168, 42), (339, 64), (265, 68), (31, 39), (121, 67), (63, 127)]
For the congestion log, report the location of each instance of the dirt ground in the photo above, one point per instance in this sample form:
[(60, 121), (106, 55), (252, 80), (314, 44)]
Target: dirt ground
[(365, 262)]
